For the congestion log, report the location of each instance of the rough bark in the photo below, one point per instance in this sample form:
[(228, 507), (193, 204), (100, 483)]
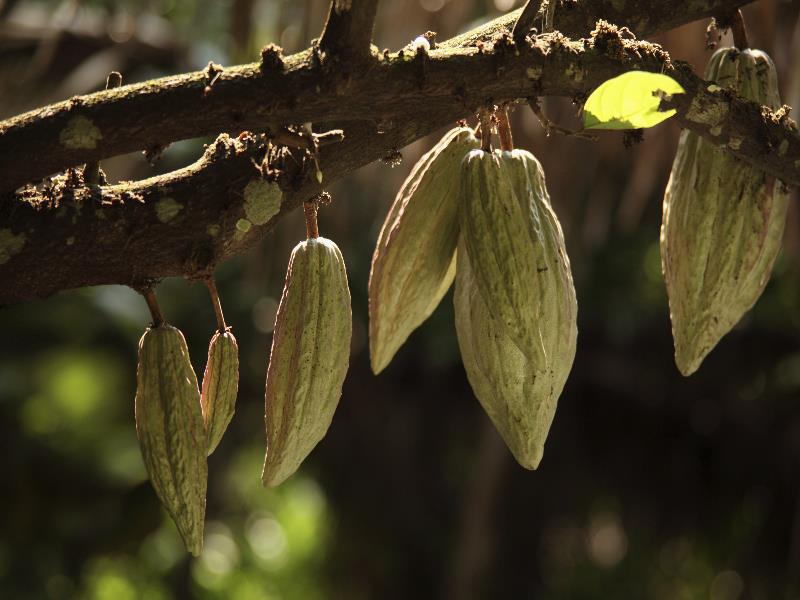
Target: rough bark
[(76, 236), (303, 87), (100, 235)]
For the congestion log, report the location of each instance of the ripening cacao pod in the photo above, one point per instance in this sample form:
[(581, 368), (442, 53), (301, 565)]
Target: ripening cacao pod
[(722, 222), (414, 260), (516, 250), (500, 374), (309, 358), (220, 384), (518, 390), (169, 425)]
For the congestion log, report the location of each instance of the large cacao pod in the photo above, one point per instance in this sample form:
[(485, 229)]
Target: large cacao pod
[(518, 391), (220, 385), (414, 260), (309, 358), (722, 222), (169, 425), (516, 250)]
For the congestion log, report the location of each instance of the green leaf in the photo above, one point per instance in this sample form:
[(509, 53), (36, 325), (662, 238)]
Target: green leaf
[(629, 101)]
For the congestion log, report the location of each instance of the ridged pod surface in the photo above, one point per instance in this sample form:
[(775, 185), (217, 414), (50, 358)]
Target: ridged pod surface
[(517, 253), (169, 425), (309, 358), (722, 222), (414, 260), (519, 392), (220, 385)]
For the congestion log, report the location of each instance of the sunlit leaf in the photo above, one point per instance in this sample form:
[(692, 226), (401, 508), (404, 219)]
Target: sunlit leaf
[(629, 101)]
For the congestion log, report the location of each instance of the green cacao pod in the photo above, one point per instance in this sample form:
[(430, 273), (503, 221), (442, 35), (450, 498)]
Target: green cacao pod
[(414, 260), (518, 391), (220, 385), (722, 222), (500, 374), (309, 358), (517, 253), (169, 425)]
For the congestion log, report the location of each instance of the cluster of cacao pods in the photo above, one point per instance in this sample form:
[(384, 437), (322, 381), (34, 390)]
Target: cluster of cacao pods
[(178, 426), (484, 219), (722, 222)]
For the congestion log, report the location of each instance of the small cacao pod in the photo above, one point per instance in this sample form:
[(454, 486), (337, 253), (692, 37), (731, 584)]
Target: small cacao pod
[(414, 260), (309, 358), (169, 425), (518, 391), (722, 223), (220, 384), (517, 254)]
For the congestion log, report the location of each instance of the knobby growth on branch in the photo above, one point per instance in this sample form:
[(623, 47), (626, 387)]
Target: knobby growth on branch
[(65, 232)]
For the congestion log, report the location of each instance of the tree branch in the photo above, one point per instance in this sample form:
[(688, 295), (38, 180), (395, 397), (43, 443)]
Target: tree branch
[(348, 30), (299, 89), (753, 133), (183, 223), (577, 19), (178, 224)]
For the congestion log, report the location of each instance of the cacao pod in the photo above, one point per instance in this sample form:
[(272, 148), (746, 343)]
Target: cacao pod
[(220, 384), (518, 391), (722, 222), (169, 425), (309, 358), (414, 260), (517, 253)]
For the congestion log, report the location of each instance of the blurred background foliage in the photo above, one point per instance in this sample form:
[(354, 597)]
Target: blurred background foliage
[(652, 486)]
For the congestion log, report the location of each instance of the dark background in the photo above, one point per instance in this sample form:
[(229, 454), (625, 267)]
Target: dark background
[(652, 485)]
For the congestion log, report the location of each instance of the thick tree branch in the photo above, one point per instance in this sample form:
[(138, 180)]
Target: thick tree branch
[(302, 88), (348, 30), (749, 131), (179, 224), (642, 17), (182, 223)]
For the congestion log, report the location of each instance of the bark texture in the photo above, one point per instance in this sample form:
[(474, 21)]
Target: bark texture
[(66, 234)]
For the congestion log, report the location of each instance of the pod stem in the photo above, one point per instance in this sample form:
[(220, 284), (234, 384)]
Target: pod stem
[(504, 130), (215, 302), (739, 31), (152, 303), (310, 210), (486, 130)]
